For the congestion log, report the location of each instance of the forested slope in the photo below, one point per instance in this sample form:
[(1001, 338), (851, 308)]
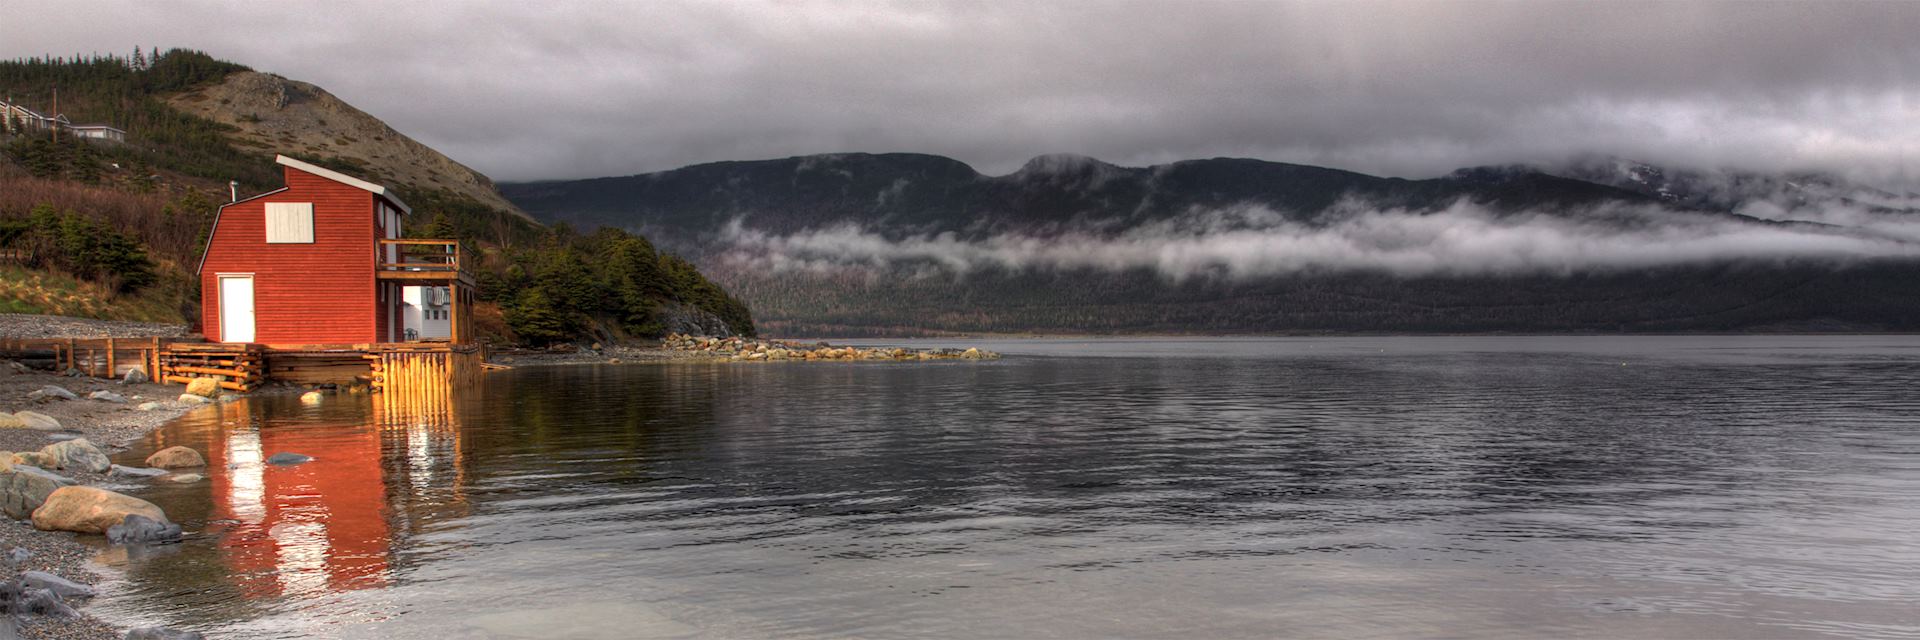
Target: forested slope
[(131, 218)]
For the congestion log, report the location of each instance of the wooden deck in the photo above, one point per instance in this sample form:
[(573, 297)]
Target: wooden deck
[(245, 366)]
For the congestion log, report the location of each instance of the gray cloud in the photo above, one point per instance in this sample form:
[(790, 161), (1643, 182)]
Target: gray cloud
[(552, 90)]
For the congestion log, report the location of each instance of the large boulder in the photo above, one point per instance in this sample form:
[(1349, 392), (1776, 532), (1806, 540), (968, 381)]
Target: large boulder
[(136, 375), (41, 601), (59, 586), (84, 509), (24, 488), (78, 455), (204, 387), (8, 421), (176, 458), (38, 421), (139, 529)]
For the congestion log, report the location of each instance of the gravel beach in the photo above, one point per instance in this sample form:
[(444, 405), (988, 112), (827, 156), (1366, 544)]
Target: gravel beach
[(32, 327), (108, 425)]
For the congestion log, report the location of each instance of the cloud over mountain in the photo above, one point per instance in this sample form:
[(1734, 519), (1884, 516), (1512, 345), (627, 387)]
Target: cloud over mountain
[(1460, 240)]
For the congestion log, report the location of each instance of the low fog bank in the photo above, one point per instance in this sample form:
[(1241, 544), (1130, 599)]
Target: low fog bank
[(1462, 240)]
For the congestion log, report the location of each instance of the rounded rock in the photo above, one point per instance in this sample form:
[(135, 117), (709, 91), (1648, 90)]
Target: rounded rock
[(78, 455), (176, 457), (24, 488), (204, 387), (84, 509), (62, 393), (38, 421), (285, 458)]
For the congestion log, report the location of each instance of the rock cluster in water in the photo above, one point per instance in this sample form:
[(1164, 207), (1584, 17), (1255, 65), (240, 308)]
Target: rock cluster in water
[(752, 350)]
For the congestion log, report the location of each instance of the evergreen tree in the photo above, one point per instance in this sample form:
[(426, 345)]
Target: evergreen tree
[(533, 318)]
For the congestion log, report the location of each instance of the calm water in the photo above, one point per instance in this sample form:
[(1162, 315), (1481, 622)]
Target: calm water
[(1389, 487)]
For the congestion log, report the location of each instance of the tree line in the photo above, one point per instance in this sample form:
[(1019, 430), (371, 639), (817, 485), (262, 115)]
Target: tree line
[(569, 283)]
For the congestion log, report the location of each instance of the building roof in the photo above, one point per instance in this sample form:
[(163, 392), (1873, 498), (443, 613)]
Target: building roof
[(345, 179)]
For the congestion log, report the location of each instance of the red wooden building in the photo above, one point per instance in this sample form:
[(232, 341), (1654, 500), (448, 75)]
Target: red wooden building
[(321, 261)]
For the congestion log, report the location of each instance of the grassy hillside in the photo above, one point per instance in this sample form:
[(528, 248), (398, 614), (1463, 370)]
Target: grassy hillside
[(125, 223)]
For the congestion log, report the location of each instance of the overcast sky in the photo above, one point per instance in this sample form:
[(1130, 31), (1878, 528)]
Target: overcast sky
[(531, 90)]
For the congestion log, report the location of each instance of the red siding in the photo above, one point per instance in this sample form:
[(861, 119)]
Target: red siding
[(303, 293), (386, 295)]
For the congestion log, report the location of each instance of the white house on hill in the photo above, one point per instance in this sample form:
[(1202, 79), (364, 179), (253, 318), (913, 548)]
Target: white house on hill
[(16, 118)]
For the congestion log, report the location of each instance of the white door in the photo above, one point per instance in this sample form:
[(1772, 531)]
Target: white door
[(236, 308)]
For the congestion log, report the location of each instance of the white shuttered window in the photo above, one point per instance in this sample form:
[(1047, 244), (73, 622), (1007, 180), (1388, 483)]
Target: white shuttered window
[(290, 222)]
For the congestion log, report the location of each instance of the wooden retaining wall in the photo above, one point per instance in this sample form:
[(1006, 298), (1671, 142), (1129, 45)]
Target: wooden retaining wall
[(242, 367), (173, 360), (239, 367)]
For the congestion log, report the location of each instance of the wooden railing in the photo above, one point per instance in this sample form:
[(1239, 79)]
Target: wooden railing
[(423, 259)]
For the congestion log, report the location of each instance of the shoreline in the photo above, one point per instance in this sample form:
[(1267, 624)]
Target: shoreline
[(111, 426)]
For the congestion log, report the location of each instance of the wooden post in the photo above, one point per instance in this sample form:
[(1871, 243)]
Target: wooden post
[(453, 326), (110, 361), (71, 363)]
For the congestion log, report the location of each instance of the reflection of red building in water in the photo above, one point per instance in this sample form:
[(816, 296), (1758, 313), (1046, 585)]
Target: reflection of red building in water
[(319, 526), (324, 525)]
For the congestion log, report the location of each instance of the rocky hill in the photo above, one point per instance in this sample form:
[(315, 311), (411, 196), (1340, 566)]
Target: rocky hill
[(276, 115)]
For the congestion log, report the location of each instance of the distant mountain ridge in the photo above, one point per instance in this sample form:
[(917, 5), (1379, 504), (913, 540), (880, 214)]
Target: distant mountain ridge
[(908, 244), (907, 193)]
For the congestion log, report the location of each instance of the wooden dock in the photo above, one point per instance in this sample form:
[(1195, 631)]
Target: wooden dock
[(245, 366), (175, 360)]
